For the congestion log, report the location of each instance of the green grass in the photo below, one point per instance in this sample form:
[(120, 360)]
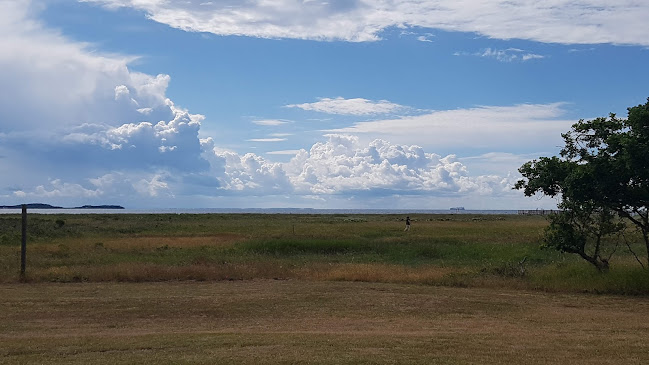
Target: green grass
[(577, 277), (456, 250), (404, 251)]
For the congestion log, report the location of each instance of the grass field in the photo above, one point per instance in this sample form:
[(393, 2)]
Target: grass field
[(299, 321), (323, 289), (450, 250)]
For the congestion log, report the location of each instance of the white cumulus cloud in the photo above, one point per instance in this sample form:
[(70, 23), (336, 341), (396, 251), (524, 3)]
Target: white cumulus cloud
[(142, 145), (343, 165), (249, 173)]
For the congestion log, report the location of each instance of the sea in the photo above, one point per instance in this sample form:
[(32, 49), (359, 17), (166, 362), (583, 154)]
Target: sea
[(256, 211)]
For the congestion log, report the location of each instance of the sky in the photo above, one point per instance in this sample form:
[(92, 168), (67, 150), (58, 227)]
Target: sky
[(338, 104)]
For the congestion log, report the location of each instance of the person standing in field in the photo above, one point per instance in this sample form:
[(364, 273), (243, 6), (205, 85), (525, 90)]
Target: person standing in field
[(407, 224)]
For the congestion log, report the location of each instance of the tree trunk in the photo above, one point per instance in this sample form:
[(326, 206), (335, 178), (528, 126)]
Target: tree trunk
[(600, 264), (642, 223), (645, 236)]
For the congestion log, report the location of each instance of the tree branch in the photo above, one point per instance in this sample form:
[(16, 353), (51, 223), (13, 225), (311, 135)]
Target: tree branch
[(631, 250)]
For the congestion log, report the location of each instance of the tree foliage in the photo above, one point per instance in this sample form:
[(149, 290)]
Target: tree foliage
[(602, 169)]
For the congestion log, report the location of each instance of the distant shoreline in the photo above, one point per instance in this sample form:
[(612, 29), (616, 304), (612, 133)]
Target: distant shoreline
[(48, 206), (296, 211)]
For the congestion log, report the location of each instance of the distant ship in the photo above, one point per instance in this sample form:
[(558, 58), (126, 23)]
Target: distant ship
[(457, 208)]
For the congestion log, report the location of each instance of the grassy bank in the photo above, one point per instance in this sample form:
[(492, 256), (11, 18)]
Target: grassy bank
[(452, 250)]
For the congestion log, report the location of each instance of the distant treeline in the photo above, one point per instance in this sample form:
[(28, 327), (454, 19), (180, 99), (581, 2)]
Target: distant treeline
[(48, 206)]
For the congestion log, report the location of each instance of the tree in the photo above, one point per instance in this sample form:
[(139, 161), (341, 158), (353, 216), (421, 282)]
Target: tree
[(585, 229), (603, 168)]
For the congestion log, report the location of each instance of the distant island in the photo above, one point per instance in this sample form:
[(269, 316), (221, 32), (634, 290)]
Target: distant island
[(48, 206)]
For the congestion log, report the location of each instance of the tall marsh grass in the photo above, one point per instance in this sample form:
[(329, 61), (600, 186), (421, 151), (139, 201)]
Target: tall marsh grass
[(625, 279)]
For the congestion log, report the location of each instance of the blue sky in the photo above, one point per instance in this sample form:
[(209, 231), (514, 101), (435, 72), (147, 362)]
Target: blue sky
[(338, 104)]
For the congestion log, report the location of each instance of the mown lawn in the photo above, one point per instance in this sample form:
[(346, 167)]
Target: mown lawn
[(317, 322)]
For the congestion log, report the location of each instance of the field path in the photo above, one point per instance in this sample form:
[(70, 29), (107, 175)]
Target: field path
[(272, 321)]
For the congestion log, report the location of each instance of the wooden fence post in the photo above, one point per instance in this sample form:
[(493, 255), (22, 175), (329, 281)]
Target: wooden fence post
[(23, 246)]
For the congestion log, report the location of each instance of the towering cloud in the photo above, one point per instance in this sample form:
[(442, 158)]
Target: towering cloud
[(56, 82)]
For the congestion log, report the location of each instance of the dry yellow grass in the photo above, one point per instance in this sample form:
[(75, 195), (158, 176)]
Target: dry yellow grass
[(280, 322), (147, 242), (142, 272), (139, 272), (270, 269), (379, 273)]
